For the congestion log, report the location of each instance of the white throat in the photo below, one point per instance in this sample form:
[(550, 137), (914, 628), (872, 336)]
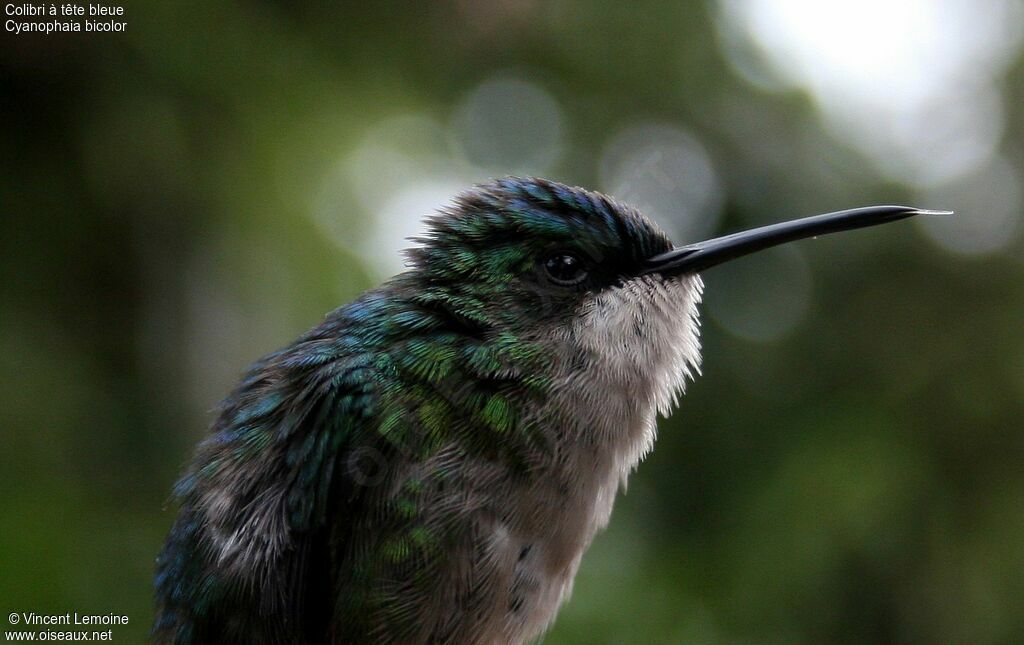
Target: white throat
[(644, 336), (633, 348)]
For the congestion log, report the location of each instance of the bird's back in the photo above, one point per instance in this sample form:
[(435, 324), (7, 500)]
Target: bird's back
[(352, 485)]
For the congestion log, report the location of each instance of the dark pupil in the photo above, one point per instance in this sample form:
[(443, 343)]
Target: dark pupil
[(565, 267)]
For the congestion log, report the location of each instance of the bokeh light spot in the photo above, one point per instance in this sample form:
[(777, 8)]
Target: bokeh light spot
[(761, 298), (988, 204), (666, 173), (400, 217), (509, 126), (398, 173), (913, 85)]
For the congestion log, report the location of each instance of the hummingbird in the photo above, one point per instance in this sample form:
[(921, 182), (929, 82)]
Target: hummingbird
[(430, 463)]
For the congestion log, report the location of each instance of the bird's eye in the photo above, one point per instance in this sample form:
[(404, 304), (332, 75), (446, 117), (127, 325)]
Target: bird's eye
[(565, 269)]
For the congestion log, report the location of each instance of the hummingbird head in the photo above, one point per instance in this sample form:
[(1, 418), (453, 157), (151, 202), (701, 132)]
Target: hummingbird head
[(597, 280), (520, 253), (521, 250)]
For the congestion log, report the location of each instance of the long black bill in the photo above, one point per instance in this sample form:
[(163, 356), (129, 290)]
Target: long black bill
[(697, 257)]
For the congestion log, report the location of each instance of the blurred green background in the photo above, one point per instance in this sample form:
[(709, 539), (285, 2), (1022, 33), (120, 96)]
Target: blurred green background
[(179, 199)]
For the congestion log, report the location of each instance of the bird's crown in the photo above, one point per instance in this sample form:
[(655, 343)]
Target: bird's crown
[(516, 227)]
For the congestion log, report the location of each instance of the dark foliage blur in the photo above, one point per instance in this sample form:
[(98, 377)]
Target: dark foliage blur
[(179, 199)]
